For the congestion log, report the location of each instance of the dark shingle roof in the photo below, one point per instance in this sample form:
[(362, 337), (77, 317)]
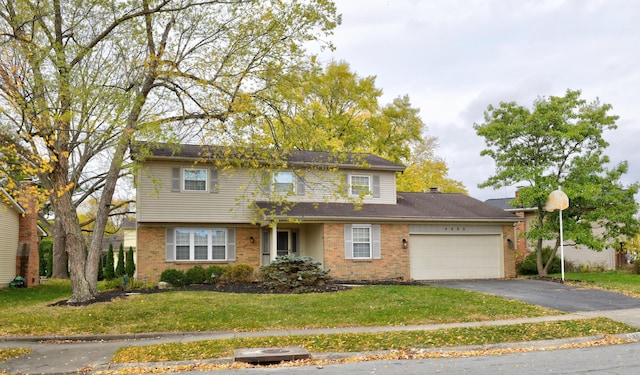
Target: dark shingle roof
[(411, 207), (266, 157)]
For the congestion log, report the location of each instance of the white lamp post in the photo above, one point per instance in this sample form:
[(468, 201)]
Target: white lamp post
[(558, 200)]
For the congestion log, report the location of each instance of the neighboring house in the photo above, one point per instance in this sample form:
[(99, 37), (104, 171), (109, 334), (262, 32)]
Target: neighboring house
[(19, 233), (129, 233), (577, 255), (191, 212)]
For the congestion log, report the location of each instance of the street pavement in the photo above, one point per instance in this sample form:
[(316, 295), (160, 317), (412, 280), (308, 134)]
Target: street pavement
[(68, 355)]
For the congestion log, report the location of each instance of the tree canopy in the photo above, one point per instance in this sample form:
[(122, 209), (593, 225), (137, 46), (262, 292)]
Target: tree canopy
[(330, 108), (559, 143), (81, 81)]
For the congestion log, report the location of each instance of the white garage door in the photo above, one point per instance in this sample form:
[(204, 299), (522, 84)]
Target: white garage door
[(437, 257)]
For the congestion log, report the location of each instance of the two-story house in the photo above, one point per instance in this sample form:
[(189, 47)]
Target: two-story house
[(341, 210)]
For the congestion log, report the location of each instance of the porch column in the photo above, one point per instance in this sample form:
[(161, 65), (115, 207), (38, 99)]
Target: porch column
[(273, 247)]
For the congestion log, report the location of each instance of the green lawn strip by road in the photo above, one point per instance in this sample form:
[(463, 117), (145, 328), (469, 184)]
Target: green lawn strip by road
[(381, 305), (356, 342), (617, 281), (13, 353)]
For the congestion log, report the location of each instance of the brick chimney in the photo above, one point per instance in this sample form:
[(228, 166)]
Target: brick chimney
[(27, 257)]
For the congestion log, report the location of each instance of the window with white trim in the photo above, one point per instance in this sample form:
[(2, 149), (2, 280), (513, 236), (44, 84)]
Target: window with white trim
[(359, 184), (201, 244), (361, 237), (283, 182), (195, 179)]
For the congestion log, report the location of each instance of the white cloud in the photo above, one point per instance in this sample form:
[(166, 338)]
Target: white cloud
[(455, 57)]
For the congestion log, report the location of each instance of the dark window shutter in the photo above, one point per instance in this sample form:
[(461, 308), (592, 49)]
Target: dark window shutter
[(376, 252), (231, 244), (175, 179), (213, 181), (300, 189), (347, 185), (376, 186), (266, 183), (170, 252), (348, 242)]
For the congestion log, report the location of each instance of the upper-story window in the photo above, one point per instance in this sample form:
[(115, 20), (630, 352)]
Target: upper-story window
[(283, 182), (195, 179), (359, 184)]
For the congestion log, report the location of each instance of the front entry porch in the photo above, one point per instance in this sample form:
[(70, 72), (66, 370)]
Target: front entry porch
[(290, 239)]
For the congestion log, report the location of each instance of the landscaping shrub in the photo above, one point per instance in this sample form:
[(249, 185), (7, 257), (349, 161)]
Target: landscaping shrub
[(529, 265), (119, 271), (215, 273), (109, 271), (196, 275), (291, 273), (636, 267), (174, 277), (130, 266), (239, 274)]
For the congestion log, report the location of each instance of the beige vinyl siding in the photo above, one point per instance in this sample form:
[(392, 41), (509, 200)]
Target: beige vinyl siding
[(236, 190), (312, 242), (157, 203), (9, 227)]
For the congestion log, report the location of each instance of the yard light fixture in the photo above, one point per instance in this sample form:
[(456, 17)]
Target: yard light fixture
[(251, 239), (405, 244), (558, 200)]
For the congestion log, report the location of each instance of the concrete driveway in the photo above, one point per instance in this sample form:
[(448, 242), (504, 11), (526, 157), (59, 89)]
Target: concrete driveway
[(548, 294)]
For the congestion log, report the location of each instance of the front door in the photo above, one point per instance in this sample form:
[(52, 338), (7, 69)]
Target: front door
[(286, 243)]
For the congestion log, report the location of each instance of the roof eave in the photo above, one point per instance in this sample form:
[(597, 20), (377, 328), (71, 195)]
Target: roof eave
[(296, 164), (407, 219)]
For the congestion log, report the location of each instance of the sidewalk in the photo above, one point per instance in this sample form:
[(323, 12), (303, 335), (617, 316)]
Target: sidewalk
[(60, 355)]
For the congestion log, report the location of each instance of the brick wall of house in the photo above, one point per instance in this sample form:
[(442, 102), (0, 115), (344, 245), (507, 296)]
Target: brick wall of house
[(151, 252), (509, 251), (394, 262), (27, 256)]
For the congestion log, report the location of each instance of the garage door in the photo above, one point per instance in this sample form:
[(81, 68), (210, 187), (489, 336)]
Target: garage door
[(437, 257)]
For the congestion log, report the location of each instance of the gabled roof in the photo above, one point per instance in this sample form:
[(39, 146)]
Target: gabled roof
[(8, 198), (265, 157), (416, 207)]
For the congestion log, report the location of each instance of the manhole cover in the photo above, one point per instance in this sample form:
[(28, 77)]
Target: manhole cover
[(270, 355), (276, 350)]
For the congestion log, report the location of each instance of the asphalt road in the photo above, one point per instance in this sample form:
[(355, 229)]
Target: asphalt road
[(549, 294)]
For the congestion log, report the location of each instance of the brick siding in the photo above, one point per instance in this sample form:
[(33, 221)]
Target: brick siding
[(393, 265), (509, 251), (151, 252), (27, 256)]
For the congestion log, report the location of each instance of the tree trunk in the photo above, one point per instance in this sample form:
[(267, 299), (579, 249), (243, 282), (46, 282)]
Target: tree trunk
[(60, 266), (542, 270)]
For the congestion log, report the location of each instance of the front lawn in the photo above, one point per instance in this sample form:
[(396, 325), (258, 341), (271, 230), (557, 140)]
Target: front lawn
[(26, 311)]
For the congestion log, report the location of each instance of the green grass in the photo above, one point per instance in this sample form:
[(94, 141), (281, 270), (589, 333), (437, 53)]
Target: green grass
[(357, 342), (618, 281), (26, 311), (13, 353)]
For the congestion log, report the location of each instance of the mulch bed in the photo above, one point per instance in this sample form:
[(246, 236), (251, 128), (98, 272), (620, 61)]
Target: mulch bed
[(249, 288)]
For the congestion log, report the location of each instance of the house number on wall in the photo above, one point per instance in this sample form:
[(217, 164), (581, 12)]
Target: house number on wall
[(454, 229)]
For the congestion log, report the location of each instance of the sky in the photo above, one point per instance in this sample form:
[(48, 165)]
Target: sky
[(453, 58)]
